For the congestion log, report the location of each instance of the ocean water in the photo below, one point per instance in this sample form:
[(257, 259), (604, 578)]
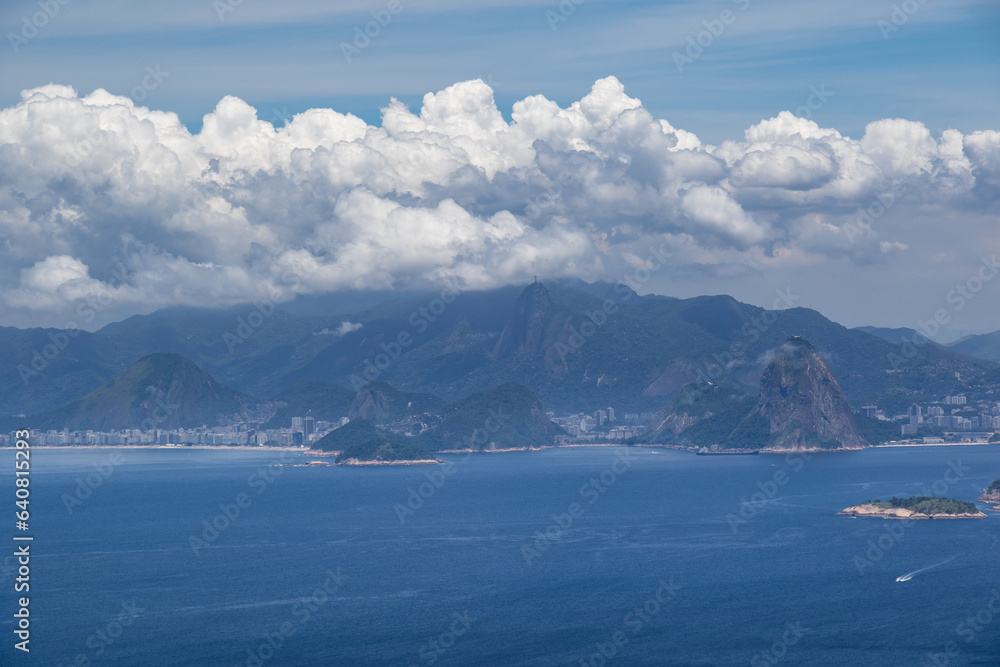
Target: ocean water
[(665, 559)]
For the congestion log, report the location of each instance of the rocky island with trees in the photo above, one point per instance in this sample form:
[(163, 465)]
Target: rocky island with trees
[(916, 507)]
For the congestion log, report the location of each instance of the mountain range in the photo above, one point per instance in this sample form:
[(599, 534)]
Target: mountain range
[(575, 346), (984, 346)]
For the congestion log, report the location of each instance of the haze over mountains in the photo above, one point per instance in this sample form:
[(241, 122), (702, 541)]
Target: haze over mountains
[(574, 346), (984, 346)]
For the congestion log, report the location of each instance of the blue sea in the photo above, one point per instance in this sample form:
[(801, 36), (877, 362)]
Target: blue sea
[(586, 556)]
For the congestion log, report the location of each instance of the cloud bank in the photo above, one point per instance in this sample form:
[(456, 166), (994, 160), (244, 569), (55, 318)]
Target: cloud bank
[(105, 202)]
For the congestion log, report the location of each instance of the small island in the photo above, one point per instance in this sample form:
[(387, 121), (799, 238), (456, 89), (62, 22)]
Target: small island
[(992, 495), (359, 443), (381, 453), (916, 507)]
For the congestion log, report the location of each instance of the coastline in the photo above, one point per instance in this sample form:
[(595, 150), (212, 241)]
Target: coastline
[(580, 445), (414, 462), (991, 498), (936, 444), (360, 463), (262, 448), (495, 451), (873, 511)]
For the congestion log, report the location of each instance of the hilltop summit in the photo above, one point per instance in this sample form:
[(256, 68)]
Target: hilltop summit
[(158, 391), (800, 406), (802, 402), (527, 328)]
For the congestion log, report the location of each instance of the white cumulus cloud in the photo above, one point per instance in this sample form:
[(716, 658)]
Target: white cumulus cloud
[(100, 198)]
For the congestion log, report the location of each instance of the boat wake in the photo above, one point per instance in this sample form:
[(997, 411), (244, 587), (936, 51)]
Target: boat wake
[(910, 575)]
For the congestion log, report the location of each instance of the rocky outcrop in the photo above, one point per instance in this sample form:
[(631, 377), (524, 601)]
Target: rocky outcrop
[(800, 407), (869, 510), (370, 404), (368, 462), (537, 327), (526, 329), (992, 495), (802, 402), (676, 423), (672, 379)]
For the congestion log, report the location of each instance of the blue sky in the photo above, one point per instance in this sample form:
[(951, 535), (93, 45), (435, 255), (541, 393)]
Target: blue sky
[(941, 67)]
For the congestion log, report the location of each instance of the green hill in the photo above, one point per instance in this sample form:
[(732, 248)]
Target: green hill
[(163, 391), (353, 433), (876, 431), (359, 439), (383, 452), (927, 505), (505, 417), (702, 417)]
